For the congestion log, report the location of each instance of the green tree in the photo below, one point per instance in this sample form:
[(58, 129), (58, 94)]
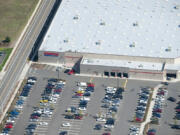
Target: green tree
[(7, 40)]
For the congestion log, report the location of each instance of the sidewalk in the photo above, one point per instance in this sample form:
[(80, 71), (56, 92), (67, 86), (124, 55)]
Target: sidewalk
[(150, 109)]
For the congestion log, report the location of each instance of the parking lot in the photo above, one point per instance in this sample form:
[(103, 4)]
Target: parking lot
[(53, 124), (168, 113)]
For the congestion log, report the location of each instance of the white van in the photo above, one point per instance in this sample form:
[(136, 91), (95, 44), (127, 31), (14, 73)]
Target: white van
[(82, 84)]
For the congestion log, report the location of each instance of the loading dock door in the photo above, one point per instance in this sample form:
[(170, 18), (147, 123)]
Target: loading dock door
[(125, 75), (171, 75), (119, 75), (113, 74), (106, 73)]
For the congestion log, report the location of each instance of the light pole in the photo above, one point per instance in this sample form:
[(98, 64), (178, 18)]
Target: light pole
[(58, 69)]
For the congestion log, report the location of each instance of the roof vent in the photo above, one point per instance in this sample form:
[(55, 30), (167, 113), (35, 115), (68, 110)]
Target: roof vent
[(140, 66), (168, 49), (176, 7), (98, 42), (135, 24), (132, 45), (75, 17), (102, 23), (66, 41)]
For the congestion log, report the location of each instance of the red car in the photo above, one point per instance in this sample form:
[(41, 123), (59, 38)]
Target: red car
[(151, 132), (79, 117), (9, 126), (90, 85), (79, 94), (34, 117), (157, 110), (58, 90), (161, 93), (138, 120), (106, 134), (177, 110), (71, 72)]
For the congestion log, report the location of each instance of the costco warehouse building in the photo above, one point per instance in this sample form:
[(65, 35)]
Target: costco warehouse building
[(118, 38)]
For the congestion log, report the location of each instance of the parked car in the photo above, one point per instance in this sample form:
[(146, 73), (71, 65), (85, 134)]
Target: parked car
[(63, 133), (82, 108), (71, 72), (172, 99), (66, 125), (98, 127), (151, 132), (101, 119), (106, 134), (175, 126), (82, 84)]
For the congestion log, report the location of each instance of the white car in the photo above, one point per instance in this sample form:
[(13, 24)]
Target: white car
[(62, 82), (134, 128), (140, 111), (82, 84), (10, 120), (108, 126), (85, 98), (38, 111), (111, 92), (66, 125), (82, 108), (143, 101), (43, 123), (19, 107), (111, 89), (81, 89), (47, 112), (53, 101), (55, 96), (31, 80), (101, 119)]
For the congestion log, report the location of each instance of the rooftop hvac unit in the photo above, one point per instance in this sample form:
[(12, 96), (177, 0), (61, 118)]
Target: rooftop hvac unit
[(140, 66), (168, 49), (75, 17), (66, 41), (132, 45), (98, 43), (102, 23), (135, 24)]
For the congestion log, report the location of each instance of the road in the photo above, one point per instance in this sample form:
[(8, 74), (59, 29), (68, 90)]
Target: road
[(20, 57)]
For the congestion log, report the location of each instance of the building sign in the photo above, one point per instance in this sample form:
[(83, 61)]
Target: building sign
[(51, 54)]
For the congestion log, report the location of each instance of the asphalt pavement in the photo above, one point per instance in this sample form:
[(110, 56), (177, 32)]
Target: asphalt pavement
[(85, 126)]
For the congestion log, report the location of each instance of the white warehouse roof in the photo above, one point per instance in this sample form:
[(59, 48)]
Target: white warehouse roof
[(172, 67), (120, 27), (123, 63)]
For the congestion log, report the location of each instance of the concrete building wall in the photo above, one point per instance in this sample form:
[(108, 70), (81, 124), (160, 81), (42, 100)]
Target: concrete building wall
[(118, 57), (71, 58), (132, 73), (62, 58), (146, 74), (99, 70)]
